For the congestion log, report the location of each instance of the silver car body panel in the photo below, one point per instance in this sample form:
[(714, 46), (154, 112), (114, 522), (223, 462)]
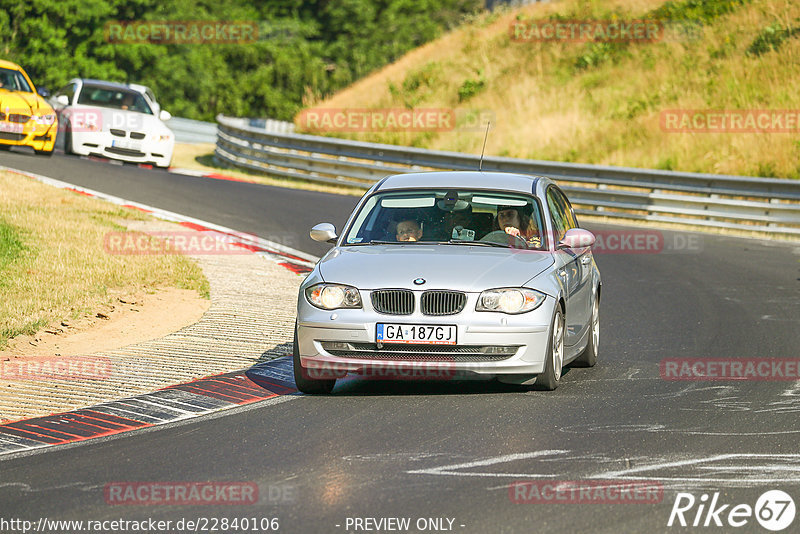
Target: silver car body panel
[(568, 277)]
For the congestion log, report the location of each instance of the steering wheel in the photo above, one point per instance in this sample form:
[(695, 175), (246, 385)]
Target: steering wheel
[(502, 238)]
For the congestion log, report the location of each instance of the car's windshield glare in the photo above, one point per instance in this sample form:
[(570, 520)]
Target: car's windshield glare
[(12, 80), (449, 216), (113, 98)]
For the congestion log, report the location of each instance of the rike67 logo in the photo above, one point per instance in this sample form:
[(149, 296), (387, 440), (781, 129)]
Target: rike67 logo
[(774, 510)]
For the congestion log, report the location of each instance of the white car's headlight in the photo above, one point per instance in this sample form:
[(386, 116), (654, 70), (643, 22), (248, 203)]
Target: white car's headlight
[(333, 296), (510, 300), (45, 119)]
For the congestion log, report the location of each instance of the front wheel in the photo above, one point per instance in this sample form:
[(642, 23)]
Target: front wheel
[(588, 357), (551, 376), (304, 383)]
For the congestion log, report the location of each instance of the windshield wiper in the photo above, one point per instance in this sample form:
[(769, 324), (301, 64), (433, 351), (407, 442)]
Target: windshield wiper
[(478, 243)]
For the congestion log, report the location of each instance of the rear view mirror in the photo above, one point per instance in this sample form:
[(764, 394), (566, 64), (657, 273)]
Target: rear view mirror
[(164, 115), (62, 100), (324, 233), (577, 238), (43, 92)]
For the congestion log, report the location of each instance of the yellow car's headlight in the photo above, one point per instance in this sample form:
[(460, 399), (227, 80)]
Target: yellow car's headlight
[(46, 120)]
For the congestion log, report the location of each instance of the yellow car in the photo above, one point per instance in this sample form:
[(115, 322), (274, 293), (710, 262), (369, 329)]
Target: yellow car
[(26, 119)]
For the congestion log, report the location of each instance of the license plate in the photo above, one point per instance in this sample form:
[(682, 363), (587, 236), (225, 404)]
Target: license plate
[(121, 143), (11, 127), (416, 333)]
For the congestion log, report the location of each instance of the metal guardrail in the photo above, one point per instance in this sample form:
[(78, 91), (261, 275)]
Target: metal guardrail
[(768, 205), (192, 131)]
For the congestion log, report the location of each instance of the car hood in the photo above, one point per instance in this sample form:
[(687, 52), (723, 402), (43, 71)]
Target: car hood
[(120, 119), (462, 267), (23, 103)]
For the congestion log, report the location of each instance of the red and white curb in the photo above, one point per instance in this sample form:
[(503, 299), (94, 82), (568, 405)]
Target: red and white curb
[(173, 403), (295, 260)]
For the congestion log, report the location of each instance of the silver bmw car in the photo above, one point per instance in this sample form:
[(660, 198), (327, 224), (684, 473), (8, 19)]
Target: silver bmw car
[(445, 275)]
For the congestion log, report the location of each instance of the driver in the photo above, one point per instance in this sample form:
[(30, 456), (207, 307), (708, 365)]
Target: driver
[(511, 221)]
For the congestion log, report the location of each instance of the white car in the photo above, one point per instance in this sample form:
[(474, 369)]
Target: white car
[(113, 120)]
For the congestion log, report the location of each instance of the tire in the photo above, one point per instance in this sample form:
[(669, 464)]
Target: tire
[(554, 363), (588, 357), (304, 383)]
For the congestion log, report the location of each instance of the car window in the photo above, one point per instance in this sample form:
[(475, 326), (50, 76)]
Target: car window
[(106, 97), (557, 214), (13, 80), (571, 220), (451, 216)]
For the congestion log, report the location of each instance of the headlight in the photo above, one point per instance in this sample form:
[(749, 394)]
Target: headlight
[(510, 300), (45, 119), (333, 296)]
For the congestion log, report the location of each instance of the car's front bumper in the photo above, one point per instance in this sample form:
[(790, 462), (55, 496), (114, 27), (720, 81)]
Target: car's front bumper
[(37, 136), (102, 143), (524, 337)]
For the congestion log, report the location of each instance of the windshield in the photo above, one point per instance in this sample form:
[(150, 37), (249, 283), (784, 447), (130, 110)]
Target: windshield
[(449, 216), (13, 80), (107, 97)]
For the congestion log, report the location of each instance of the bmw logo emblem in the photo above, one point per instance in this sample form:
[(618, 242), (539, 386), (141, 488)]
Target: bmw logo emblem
[(419, 281)]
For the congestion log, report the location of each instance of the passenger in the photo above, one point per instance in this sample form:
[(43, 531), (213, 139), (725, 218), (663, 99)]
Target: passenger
[(409, 230), (511, 221)]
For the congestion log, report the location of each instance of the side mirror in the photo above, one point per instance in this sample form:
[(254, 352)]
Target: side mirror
[(43, 92), (324, 233), (62, 100), (577, 238), (164, 115)]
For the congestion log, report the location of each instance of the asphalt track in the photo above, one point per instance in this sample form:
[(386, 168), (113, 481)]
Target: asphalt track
[(378, 449)]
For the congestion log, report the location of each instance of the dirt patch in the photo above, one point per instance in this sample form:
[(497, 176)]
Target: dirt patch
[(131, 319)]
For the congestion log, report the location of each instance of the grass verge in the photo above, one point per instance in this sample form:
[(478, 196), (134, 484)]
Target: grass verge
[(601, 102), (52, 262)]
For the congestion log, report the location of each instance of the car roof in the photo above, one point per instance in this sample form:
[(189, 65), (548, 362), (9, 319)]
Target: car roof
[(106, 84), (497, 181), (9, 65)]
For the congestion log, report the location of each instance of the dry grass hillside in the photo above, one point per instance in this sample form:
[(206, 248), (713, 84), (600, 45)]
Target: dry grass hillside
[(595, 102)]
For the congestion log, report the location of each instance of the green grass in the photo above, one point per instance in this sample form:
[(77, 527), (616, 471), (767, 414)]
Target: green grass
[(11, 246)]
